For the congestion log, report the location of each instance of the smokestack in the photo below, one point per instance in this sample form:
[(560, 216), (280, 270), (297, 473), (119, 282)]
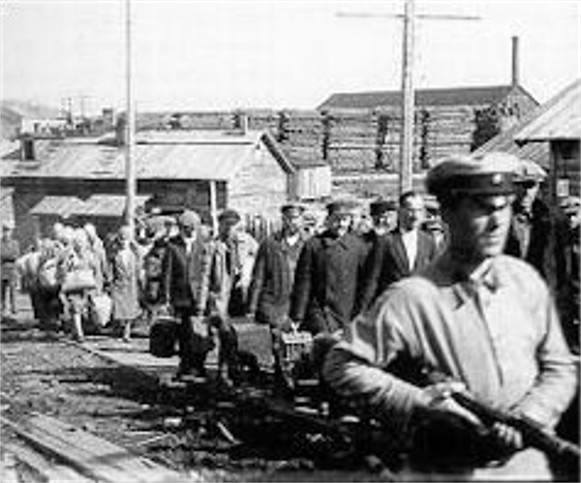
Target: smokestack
[(121, 131), (108, 116), (244, 123), (515, 61)]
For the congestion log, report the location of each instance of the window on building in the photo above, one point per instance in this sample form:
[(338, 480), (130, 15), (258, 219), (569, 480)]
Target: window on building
[(28, 150)]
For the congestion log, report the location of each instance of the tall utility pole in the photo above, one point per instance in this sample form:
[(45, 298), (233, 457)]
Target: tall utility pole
[(131, 184), (407, 82), (406, 154)]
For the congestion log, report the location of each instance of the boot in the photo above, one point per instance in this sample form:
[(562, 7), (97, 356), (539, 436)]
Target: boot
[(127, 331), (78, 334)]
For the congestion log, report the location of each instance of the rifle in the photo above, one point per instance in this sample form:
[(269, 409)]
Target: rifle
[(534, 435)]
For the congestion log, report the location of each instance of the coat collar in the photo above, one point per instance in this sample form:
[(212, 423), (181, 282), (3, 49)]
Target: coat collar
[(461, 284), (346, 241)]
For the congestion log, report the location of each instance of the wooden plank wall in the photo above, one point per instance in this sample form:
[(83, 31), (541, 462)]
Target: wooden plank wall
[(350, 141)]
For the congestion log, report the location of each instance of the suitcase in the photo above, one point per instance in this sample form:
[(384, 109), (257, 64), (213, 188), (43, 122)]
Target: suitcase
[(163, 337), (253, 338)]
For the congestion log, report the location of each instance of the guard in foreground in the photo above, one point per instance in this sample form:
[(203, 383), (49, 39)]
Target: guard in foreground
[(484, 320)]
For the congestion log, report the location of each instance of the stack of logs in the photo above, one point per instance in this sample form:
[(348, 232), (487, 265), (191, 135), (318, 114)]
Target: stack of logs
[(302, 136), (350, 141)]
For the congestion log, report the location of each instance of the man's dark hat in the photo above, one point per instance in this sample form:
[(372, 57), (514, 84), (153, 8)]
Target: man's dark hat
[(381, 206), (230, 215), (290, 207), (342, 206)]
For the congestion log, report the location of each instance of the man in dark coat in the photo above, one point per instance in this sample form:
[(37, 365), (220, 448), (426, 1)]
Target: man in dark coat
[(183, 268), (383, 212), (402, 252), (569, 297), (382, 215), (537, 234), (272, 281), (329, 272)]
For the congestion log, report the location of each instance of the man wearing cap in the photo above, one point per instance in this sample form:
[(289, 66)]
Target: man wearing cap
[(381, 218), (329, 273), (10, 249), (537, 233), (383, 214), (272, 281), (482, 318), (227, 280), (184, 264)]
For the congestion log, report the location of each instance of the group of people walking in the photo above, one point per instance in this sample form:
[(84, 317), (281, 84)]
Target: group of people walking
[(75, 283), (484, 293)]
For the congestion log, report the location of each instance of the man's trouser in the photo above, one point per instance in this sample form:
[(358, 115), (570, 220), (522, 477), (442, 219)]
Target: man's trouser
[(193, 342)]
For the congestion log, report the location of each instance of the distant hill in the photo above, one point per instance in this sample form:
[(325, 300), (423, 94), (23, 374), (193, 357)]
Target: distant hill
[(14, 110)]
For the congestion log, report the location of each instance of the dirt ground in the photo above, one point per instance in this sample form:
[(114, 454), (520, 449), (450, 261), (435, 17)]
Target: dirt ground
[(46, 373)]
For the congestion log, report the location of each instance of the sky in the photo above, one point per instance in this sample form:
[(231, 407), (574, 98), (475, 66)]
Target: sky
[(204, 55)]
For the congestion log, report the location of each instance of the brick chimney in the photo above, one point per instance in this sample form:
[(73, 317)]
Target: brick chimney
[(515, 62), (121, 131), (108, 115)]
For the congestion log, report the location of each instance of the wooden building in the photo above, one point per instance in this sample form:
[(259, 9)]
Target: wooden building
[(558, 122), (447, 121), (203, 170)]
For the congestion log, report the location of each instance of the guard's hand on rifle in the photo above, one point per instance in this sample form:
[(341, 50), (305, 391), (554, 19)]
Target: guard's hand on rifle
[(508, 437), (440, 402)]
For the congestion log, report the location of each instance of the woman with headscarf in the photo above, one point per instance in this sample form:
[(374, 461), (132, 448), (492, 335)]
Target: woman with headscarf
[(125, 282)]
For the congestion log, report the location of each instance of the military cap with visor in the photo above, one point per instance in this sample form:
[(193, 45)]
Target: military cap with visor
[(528, 172), (487, 174)]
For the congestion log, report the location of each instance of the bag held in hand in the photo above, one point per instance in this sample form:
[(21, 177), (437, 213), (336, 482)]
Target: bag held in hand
[(78, 280), (101, 308), (163, 337), (47, 274)]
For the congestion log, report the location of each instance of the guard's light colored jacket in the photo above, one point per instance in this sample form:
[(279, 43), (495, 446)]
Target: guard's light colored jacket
[(498, 333)]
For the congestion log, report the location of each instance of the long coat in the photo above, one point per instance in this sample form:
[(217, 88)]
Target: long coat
[(327, 282), (389, 262), (547, 245), (223, 283), (124, 284), (183, 275), (272, 279)]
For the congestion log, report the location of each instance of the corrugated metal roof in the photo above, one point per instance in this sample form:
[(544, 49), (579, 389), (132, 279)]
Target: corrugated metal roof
[(160, 155), (560, 118), (96, 205), (107, 205), (472, 96), (62, 206)]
